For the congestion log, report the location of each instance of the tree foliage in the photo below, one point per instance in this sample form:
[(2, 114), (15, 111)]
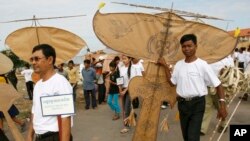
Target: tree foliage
[(15, 59)]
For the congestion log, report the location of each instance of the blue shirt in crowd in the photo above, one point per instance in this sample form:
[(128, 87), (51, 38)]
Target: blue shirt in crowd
[(89, 76)]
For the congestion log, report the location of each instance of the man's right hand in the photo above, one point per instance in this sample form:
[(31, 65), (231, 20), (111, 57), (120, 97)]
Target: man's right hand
[(162, 61)]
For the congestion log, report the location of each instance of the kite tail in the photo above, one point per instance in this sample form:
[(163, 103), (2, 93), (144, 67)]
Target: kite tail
[(130, 120), (164, 124)]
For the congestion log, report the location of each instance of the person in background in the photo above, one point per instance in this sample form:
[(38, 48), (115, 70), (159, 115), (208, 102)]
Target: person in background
[(241, 59), (28, 80), (137, 69), (235, 54), (60, 70), (125, 73), (113, 97), (247, 71), (118, 61), (93, 62), (73, 76), (89, 77), (137, 66), (100, 82), (245, 55)]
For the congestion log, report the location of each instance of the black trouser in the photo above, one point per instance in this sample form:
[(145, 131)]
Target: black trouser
[(165, 103), (3, 136), (87, 98), (241, 66), (101, 93), (29, 86), (127, 104), (50, 136), (191, 114)]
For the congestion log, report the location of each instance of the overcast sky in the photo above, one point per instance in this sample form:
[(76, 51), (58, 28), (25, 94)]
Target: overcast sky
[(236, 10)]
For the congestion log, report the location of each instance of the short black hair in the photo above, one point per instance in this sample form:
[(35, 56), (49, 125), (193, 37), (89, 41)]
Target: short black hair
[(243, 48), (188, 37), (27, 65), (71, 62), (116, 58), (112, 64), (87, 61), (47, 51)]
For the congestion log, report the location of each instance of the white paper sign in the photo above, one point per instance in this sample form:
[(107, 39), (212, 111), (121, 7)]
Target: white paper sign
[(120, 81), (57, 105)]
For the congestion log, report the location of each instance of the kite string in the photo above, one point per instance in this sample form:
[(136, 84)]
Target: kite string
[(217, 125), (161, 54), (238, 104), (37, 35)]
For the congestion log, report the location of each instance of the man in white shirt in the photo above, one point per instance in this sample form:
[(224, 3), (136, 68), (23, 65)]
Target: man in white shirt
[(50, 84), (192, 76), (235, 53), (247, 58), (241, 59), (28, 79)]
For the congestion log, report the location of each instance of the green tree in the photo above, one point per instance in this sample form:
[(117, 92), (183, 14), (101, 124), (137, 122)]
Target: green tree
[(15, 59)]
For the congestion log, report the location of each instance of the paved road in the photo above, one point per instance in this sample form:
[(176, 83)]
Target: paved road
[(97, 125)]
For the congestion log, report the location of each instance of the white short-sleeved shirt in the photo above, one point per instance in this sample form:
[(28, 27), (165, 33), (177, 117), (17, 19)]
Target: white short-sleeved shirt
[(193, 78), (134, 71), (137, 69), (217, 66), (235, 55), (56, 85), (241, 57), (27, 74), (124, 73), (247, 57)]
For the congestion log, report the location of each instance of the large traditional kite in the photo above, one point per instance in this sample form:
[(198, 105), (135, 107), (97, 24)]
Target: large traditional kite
[(5, 64), (150, 37), (66, 44), (8, 95), (142, 35)]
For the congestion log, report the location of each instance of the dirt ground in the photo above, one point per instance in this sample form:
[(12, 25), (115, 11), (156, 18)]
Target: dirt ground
[(97, 124)]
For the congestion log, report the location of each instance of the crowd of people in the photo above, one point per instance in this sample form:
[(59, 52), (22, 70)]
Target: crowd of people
[(242, 56), (191, 76)]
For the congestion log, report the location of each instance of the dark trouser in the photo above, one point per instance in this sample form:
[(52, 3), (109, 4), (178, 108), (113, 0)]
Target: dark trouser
[(87, 98), (241, 66), (101, 93), (127, 104), (29, 86), (74, 91), (165, 103), (191, 114), (50, 136), (3, 136)]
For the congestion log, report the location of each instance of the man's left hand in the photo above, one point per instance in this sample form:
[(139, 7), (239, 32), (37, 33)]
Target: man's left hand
[(222, 112)]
